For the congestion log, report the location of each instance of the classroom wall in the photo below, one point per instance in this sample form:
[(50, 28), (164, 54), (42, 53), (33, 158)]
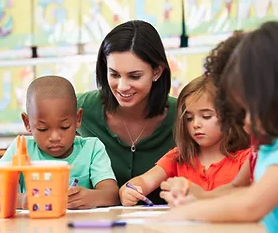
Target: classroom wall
[(39, 37)]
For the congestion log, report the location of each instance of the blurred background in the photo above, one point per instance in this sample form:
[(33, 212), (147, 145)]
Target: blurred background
[(39, 37)]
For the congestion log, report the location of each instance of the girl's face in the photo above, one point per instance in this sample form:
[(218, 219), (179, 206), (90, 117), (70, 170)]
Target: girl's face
[(248, 123), (130, 79), (240, 102), (202, 122)]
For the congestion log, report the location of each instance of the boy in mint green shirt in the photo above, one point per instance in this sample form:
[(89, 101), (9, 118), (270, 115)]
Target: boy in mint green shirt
[(52, 118)]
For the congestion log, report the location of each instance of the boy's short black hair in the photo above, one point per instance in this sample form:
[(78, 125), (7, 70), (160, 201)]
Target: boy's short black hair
[(50, 87)]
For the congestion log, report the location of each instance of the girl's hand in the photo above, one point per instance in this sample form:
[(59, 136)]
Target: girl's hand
[(79, 198), (177, 186), (174, 191), (130, 197), (174, 201)]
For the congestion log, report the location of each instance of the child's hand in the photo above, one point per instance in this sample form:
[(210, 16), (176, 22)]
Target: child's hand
[(174, 201), (130, 197), (177, 186), (79, 198), (174, 191)]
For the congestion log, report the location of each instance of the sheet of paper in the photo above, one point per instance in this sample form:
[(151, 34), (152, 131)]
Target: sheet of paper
[(140, 207), (141, 221), (142, 214), (90, 210)]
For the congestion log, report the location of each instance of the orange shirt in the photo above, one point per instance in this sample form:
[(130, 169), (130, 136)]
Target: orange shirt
[(217, 174)]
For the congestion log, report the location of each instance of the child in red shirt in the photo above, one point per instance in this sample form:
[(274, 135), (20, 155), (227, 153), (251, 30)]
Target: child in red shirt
[(174, 189), (204, 154)]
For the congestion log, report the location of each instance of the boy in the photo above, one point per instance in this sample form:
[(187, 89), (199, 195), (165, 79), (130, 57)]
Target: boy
[(52, 118)]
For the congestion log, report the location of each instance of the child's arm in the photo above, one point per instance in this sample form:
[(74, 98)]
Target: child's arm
[(145, 184), (104, 194), (175, 189), (102, 178), (249, 204)]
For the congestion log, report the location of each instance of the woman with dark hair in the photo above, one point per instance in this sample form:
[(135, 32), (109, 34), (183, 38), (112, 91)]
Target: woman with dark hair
[(131, 113)]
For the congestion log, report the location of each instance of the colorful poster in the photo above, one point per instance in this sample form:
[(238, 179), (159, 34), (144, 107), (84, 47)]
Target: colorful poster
[(251, 13), (15, 24), (56, 22), (186, 65), (14, 83), (99, 17), (207, 17), (204, 17), (94, 26), (164, 15), (116, 12), (80, 74)]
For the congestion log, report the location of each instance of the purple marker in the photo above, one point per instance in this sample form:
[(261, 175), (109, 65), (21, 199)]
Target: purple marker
[(147, 200), (157, 206), (96, 224), (74, 182)]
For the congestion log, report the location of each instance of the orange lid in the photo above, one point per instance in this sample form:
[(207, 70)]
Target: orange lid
[(21, 158)]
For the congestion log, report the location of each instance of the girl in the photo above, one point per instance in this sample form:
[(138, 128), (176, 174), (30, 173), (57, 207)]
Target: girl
[(204, 155), (174, 189), (251, 81)]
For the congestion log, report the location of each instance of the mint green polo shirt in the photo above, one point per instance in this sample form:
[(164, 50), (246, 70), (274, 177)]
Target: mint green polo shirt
[(89, 158), (125, 163)]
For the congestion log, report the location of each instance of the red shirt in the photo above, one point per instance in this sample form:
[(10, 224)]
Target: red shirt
[(217, 174)]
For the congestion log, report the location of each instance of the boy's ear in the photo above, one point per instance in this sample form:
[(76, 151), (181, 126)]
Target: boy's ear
[(79, 115), (25, 119), (157, 73)]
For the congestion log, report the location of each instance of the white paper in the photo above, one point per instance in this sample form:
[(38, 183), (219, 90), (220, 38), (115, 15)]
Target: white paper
[(142, 214), (142, 221), (89, 210), (138, 207)]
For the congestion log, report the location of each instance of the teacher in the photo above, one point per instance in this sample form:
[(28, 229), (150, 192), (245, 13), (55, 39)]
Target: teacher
[(131, 113)]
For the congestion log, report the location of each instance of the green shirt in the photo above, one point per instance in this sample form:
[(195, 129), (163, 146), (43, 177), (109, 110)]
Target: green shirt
[(126, 164), (90, 161)]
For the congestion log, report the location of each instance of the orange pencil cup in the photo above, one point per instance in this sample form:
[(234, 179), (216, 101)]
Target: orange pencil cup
[(47, 188), (46, 184), (8, 190)]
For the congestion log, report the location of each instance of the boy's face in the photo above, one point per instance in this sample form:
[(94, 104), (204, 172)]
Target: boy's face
[(53, 123)]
